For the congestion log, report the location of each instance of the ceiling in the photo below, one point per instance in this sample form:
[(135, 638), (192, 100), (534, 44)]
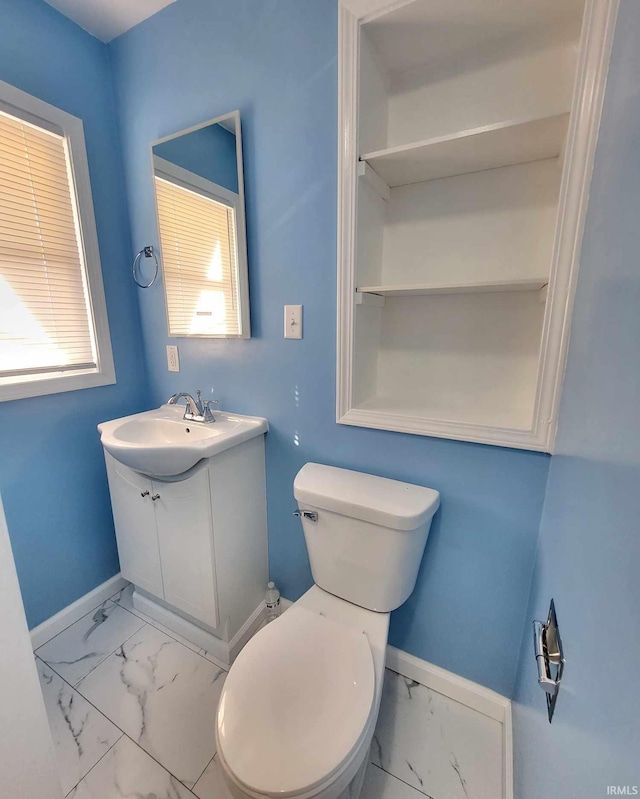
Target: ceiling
[(106, 19)]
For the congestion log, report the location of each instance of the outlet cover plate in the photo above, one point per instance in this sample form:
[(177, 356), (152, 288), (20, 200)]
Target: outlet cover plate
[(173, 359)]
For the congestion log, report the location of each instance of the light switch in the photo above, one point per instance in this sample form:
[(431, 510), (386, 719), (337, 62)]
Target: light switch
[(293, 321), (173, 359)]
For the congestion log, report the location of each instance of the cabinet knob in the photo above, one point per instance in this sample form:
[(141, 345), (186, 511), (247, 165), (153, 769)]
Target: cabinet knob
[(155, 496), (144, 494)]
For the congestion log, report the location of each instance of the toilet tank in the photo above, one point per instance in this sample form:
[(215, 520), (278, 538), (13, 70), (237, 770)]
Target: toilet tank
[(366, 542)]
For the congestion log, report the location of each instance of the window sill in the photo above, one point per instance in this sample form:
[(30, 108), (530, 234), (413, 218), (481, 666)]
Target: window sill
[(56, 384)]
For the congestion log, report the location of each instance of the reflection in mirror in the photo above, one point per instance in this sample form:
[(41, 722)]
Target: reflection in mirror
[(198, 177)]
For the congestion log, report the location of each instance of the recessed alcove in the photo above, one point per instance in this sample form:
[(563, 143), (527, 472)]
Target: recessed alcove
[(465, 156)]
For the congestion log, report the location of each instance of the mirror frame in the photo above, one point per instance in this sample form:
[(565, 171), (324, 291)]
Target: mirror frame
[(241, 224)]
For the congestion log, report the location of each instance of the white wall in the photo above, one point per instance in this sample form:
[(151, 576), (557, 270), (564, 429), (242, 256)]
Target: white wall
[(27, 765)]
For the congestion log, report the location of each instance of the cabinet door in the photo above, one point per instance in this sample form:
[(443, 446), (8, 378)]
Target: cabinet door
[(185, 536), (135, 523)]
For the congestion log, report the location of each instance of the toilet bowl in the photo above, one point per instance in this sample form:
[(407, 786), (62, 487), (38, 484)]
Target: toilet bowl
[(299, 707), (300, 704)]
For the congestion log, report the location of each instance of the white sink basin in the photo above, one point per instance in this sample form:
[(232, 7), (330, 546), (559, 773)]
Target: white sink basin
[(160, 443)]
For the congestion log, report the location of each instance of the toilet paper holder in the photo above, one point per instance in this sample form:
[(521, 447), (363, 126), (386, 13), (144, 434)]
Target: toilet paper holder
[(547, 646)]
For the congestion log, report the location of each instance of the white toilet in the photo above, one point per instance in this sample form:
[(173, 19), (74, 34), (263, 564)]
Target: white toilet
[(300, 703)]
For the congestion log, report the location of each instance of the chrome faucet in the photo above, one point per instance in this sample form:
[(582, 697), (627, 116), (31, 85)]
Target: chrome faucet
[(196, 410)]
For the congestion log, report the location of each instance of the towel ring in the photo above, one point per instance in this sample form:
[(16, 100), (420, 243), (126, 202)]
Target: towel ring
[(148, 252)]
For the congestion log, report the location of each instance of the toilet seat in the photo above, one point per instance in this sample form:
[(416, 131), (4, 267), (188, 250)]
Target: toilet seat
[(282, 728)]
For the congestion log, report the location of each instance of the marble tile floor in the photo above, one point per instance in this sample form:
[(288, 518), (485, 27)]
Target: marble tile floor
[(132, 706)]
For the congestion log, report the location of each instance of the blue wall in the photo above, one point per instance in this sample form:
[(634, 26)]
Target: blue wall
[(208, 152), (588, 555), (277, 63), (52, 475)]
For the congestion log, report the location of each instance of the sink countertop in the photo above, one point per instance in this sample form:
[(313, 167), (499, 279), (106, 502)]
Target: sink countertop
[(160, 443)]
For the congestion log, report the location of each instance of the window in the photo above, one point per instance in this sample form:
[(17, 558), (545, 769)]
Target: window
[(197, 221), (53, 326)]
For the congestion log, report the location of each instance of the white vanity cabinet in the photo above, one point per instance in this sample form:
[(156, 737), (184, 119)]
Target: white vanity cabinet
[(467, 132), (185, 540), (165, 538), (195, 546), (134, 516)]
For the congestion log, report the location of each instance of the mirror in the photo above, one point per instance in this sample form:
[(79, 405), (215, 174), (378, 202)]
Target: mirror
[(199, 191)]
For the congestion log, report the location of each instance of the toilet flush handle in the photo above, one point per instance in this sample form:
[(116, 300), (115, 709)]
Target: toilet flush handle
[(307, 514)]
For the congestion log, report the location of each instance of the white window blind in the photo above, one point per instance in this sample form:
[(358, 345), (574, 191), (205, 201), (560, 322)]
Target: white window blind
[(199, 255), (46, 324)]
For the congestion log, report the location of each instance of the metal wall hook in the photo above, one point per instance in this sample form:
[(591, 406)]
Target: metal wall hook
[(547, 646), (148, 252)]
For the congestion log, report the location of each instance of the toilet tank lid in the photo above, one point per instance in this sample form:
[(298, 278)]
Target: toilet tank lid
[(389, 503)]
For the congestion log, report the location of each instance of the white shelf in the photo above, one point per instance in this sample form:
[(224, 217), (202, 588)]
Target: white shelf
[(526, 284), (502, 144), (481, 414)]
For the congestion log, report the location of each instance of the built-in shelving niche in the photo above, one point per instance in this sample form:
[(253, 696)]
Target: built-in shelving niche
[(468, 129)]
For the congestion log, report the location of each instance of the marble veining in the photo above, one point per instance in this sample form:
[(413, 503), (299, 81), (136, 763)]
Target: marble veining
[(99, 617), (456, 767), (440, 747), (74, 652), (126, 772), (124, 598), (81, 734), (163, 691), (379, 784), (164, 696)]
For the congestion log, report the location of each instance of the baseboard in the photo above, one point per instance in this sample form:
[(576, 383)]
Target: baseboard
[(477, 697), (224, 652), (248, 629), (468, 693), (507, 751), (76, 610)]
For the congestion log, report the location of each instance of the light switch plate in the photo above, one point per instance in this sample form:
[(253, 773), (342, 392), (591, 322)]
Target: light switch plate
[(173, 359), (293, 321)]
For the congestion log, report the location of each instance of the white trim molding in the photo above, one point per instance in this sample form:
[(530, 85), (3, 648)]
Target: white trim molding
[(596, 43), (348, 41), (477, 697), (225, 652), (76, 610)]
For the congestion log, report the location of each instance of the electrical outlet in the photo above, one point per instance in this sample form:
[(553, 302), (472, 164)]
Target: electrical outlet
[(293, 321), (173, 359)]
